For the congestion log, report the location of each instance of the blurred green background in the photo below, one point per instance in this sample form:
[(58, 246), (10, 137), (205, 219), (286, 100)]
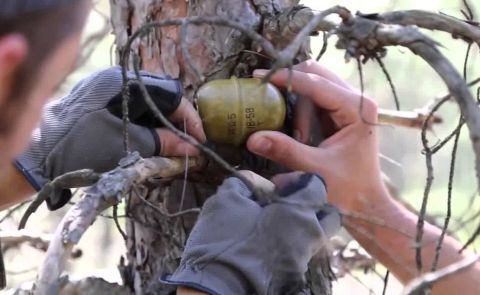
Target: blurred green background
[(416, 84)]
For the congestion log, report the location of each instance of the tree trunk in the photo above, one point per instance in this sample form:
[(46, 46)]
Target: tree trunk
[(155, 241)]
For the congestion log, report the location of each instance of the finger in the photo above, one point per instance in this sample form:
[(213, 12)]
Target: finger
[(304, 110), (172, 145), (341, 102), (313, 67), (258, 181), (283, 180), (186, 113), (284, 150)]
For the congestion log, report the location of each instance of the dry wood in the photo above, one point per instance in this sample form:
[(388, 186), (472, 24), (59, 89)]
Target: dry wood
[(85, 286), (414, 119), (433, 21), (106, 193), (429, 279)]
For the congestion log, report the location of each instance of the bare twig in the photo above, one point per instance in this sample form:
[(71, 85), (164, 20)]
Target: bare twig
[(164, 210), (54, 188), (452, 161), (410, 37), (472, 238), (432, 21), (429, 181), (117, 224), (104, 194), (11, 211), (465, 64), (429, 279), (390, 81), (13, 239), (469, 13), (324, 46), (414, 119), (385, 282), (284, 58), (449, 200), (40, 241)]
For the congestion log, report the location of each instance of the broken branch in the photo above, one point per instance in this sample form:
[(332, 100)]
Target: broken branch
[(428, 279), (432, 21), (414, 119), (105, 193)]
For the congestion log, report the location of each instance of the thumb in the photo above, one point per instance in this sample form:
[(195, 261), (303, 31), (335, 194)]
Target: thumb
[(284, 150)]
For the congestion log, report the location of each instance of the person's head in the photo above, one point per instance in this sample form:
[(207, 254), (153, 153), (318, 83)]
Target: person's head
[(39, 44)]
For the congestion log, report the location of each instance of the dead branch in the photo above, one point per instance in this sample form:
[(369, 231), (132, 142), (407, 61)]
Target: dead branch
[(54, 188), (85, 286), (428, 279), (14, 209), (432, 21), (13, 239), (40, 241), (107, 192), (364, 37), (414, 119)]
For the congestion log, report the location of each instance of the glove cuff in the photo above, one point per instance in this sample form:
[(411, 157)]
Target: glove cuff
[(214, 278), (33, 175)]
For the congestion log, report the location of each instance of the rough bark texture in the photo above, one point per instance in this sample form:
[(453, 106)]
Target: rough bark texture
[(155, 242)]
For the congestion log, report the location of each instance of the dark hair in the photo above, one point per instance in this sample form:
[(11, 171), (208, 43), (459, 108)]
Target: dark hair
[(44, 30)]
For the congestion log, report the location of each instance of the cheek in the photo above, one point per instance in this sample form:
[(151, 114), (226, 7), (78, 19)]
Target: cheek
[(52, 72)]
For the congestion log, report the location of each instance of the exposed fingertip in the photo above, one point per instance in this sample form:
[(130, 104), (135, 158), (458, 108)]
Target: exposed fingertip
[(260, 73)]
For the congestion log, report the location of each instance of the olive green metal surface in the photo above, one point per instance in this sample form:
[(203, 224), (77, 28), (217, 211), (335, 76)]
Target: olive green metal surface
[(233, 109)]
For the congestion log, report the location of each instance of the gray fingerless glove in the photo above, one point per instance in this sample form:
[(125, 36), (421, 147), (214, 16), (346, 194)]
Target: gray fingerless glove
[(239, 247), (84, 129)]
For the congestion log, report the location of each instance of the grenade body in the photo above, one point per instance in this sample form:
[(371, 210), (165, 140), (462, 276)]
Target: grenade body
[(233, 109)]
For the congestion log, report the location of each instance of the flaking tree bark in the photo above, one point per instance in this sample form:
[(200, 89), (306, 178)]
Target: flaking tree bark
[(155, 240)]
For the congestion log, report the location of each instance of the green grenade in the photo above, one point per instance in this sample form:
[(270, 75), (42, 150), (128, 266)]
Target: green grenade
[(233, 109)]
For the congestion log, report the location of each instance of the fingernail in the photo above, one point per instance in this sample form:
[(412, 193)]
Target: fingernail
[(262, 145), (260, 73)]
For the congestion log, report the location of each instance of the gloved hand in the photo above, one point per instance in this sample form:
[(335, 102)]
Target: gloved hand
[(84, 129), (239, 247)]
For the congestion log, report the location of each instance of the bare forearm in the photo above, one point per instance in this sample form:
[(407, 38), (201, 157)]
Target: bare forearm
[(387, 230), (14, 188)]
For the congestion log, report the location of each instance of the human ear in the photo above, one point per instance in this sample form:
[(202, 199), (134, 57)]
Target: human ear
[(13, 51)]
